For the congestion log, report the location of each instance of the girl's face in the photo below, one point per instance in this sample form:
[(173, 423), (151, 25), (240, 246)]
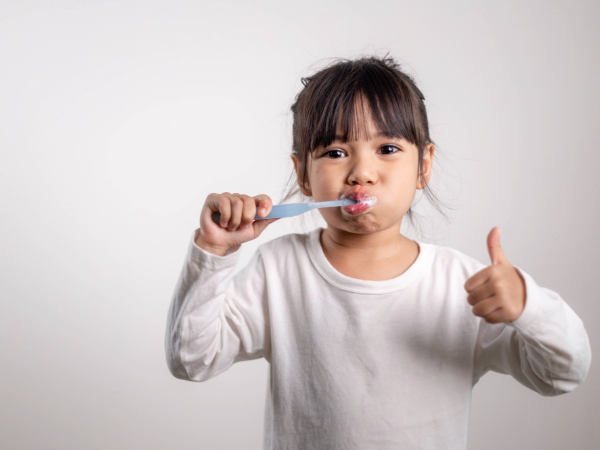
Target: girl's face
[(380, 167)]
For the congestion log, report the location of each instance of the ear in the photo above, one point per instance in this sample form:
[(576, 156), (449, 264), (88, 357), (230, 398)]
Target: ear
[(306, 188), (427, 163)]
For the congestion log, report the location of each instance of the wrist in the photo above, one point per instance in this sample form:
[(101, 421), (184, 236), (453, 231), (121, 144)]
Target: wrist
[(214, 249)]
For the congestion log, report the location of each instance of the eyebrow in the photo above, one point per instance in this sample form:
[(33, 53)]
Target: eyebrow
[(380, 134)]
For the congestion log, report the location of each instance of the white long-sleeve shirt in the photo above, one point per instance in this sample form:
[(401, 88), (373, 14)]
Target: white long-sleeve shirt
[(363, 364)]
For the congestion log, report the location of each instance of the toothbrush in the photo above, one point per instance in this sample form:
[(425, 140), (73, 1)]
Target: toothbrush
[(292, 209)]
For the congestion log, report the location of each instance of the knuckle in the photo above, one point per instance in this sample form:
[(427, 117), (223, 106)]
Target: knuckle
[(224, 209), (249, 214), (499, 285)]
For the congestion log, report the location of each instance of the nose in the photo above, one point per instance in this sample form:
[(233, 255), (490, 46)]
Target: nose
[(363, 171)]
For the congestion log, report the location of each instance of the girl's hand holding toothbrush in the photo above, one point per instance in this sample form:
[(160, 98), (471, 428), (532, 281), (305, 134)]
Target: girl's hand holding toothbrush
[(237, 222)]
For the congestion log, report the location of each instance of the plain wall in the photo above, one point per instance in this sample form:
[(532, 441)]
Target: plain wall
[(118, 118)]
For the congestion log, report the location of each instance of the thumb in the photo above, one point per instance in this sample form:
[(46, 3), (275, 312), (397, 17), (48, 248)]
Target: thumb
[(494, 249)]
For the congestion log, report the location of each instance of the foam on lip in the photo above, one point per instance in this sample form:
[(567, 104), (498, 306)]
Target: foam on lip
[(360, 197), (369, 201), (360, 205)]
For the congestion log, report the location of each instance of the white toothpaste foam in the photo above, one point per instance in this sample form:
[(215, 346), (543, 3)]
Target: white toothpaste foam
[(369, 201)]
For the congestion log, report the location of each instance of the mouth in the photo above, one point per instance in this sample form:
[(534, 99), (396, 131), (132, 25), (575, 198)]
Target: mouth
[(364, 203)]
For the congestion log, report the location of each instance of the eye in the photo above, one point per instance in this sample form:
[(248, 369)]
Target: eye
[(339, 152), (390, 147)]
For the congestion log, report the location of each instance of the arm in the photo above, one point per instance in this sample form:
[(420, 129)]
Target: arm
[(546, 348), (213, 323)]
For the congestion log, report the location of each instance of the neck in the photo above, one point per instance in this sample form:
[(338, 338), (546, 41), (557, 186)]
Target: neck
[(381, 244)]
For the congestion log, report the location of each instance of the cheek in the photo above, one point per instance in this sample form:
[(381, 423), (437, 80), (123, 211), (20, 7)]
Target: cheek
[(399, 178), (409, 172), (322, 178)]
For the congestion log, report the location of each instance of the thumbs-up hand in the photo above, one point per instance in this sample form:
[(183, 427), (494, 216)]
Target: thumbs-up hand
[(497, 293)]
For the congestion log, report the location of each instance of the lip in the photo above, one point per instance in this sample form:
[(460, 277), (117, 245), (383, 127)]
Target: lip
[(357, 208), (357, 193), (364, 199)]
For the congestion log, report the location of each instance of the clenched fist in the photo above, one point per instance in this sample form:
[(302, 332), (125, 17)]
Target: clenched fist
[(237, 221)]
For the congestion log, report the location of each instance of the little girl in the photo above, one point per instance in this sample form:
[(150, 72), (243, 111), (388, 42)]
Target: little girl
[(374, 341)]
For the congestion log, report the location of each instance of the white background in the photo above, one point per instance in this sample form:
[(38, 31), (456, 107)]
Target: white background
[(118, 118)]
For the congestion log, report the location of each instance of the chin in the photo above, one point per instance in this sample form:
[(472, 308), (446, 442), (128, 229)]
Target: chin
[(362, 224)]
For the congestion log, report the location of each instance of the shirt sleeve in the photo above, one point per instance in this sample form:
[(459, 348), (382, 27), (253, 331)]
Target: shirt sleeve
[(214, 322), (546, 348)]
